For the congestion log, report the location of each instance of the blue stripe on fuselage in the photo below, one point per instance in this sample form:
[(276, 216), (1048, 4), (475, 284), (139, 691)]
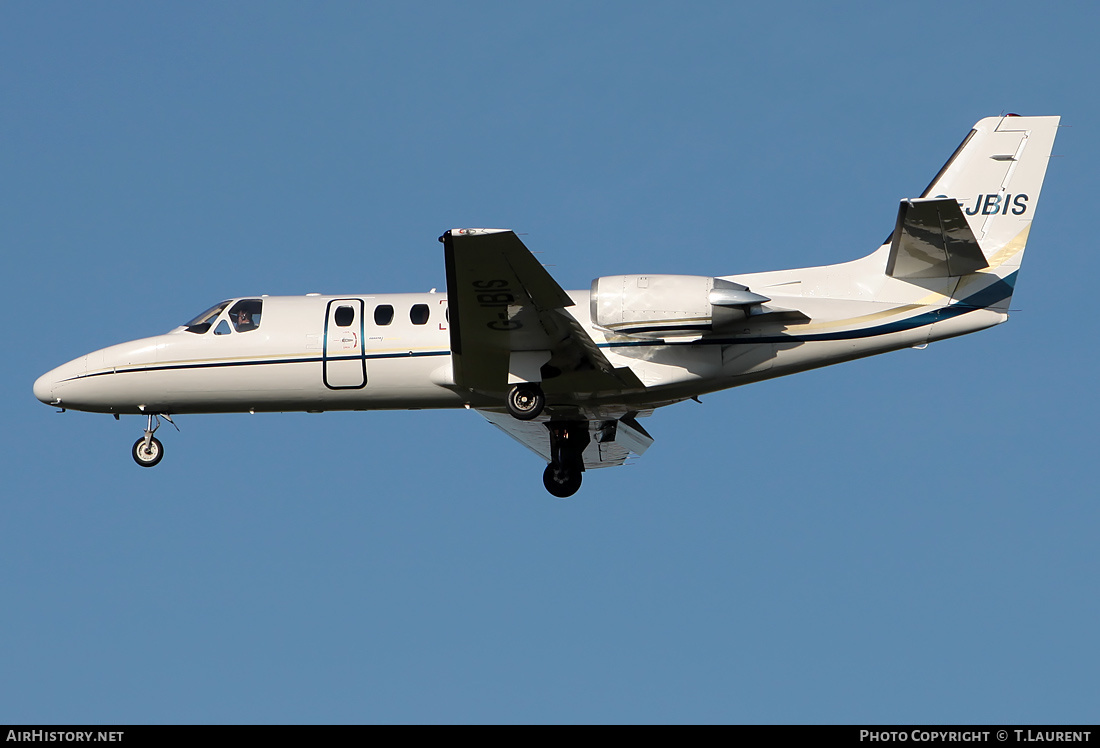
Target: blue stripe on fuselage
[(996, 292)]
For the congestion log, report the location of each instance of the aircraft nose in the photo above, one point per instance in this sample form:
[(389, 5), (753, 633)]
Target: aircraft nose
[(43, 387), (47, 387)]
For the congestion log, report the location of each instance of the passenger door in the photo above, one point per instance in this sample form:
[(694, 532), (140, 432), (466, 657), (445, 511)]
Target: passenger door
[(344, 367)]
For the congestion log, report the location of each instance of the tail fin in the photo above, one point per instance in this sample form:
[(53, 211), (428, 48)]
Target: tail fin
[(976, 214)]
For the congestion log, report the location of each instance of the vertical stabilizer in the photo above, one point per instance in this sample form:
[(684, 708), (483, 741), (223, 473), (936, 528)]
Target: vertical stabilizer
[(996, 176), (972, 222)]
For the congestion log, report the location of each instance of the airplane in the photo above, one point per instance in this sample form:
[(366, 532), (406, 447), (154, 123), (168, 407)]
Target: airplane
[(569, 374)]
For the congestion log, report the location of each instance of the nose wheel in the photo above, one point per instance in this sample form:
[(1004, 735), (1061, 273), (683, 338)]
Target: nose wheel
[(148, 450)]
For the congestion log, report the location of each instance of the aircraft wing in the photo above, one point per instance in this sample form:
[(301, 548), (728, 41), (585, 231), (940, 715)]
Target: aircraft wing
[(509, 322), (611, 441)]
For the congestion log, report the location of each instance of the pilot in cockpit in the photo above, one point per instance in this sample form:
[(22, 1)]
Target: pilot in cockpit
[(242, 320)]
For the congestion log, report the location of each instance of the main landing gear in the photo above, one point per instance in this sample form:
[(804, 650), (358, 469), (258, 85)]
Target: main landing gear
[(525, 401), (148, 450), (568, 439)]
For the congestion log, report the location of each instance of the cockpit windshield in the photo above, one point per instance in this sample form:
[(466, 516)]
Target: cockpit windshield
[(245, 316), (201, 323)]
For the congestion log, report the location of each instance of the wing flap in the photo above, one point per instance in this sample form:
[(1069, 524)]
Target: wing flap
[(610, 444)]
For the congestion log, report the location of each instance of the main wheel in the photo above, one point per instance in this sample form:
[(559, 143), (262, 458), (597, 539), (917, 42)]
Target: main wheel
[(561, 481), (148, 457), (525, 401)]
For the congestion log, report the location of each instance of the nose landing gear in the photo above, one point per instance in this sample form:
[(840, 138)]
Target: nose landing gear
[(148, 450)]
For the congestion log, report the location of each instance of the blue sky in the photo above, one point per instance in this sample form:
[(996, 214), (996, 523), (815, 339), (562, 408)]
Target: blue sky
[(908, 538)]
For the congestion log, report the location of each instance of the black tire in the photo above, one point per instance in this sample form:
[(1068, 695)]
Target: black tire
[(562, 482), (150, 458), (525, 401)]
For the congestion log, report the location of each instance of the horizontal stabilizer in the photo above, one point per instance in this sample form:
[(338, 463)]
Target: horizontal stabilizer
[(932, 239)]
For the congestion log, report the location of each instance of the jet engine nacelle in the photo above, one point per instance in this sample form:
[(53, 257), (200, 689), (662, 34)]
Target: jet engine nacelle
[(655, 306)]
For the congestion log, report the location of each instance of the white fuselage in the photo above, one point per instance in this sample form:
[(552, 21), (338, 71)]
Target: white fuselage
[(300, 359)]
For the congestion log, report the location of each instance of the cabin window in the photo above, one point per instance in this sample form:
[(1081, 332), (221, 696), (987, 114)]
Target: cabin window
[(419, 314), (383, 314), (202, 322), (344, 316), (245, 314)]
